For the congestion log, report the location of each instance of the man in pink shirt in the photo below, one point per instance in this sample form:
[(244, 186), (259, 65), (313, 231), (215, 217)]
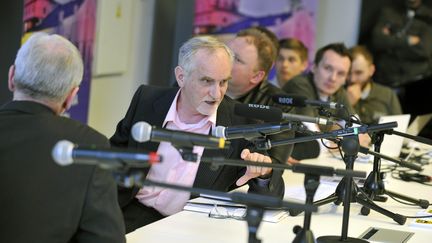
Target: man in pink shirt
[(199, 105)]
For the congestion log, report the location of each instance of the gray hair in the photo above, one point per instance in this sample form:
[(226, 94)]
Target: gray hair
[(192, 46), (47, 67)]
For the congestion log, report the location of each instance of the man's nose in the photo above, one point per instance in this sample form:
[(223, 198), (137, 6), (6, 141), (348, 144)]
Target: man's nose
[(333, 76), (215, 91)]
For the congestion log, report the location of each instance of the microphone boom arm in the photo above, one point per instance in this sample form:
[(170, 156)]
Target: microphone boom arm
[(265, 145), (297, 168), (403, 163), (409, 136)]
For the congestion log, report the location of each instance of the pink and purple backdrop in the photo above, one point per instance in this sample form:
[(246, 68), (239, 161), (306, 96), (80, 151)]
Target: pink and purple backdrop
[(286, 18), (75, 20)]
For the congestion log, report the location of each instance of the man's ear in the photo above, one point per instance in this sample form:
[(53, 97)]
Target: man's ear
[(180, 75), (258, 77), (11, 76), (69, 99)]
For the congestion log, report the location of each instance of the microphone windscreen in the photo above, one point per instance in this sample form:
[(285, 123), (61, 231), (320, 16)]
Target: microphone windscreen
[(290, 99), (141, 131), (62, 152), (260, 112), (219, 132)]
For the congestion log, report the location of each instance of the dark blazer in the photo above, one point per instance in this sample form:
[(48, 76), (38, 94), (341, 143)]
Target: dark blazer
[(42, 201), (399, 63), (151, 104)]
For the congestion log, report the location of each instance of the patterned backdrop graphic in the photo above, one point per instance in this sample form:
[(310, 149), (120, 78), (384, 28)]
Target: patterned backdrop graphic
[(286, 18), (75, 20)]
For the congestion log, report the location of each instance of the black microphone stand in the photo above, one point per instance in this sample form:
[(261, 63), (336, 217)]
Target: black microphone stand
[(311, 183), (374, 185), (337, 197), (305, 235), (350, 146)]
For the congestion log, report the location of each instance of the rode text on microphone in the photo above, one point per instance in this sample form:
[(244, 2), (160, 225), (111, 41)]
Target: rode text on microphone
[(301, 101), (273, 114)]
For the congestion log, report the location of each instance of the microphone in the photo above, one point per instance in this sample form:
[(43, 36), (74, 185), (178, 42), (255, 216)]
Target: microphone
[(301, 101), (273, 114), (66, 153), (251, 131), (143, 132)]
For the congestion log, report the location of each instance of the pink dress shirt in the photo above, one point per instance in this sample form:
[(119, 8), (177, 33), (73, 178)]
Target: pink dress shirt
[(173, 168)]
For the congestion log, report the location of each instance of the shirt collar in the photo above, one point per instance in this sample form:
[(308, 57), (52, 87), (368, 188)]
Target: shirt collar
[(172, 116), (26, 106)]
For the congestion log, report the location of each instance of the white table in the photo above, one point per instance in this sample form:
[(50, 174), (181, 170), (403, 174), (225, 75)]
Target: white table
[(198, 227)]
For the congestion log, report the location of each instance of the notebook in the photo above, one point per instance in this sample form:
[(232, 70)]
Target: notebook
[(392, 144)]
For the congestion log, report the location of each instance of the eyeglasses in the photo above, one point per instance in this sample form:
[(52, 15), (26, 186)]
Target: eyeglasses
[(219, 212)]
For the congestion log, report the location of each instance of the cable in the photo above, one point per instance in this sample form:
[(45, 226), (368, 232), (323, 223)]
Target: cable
[(328, 147), (416, 177)]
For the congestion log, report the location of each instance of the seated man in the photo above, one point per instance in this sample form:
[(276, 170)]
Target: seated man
[(42, 201), (325, 82), (198, 106), (369, 99), (291, 60), (254, 55)]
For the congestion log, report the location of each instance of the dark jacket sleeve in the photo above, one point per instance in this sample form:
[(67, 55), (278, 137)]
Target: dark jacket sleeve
[(122, 135), (273, 187), (101, 220), (382, 41), (398, 43)]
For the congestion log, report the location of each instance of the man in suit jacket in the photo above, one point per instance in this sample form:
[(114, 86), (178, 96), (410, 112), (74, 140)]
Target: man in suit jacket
[(254, 56), (42, 201), (198, 106)]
